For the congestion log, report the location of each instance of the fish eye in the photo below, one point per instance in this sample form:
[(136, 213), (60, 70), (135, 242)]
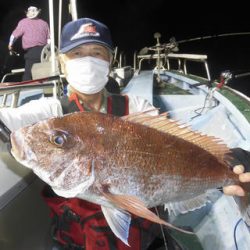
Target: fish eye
[(58, 139)]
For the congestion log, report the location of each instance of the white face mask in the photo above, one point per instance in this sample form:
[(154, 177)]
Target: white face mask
[(88, 74)]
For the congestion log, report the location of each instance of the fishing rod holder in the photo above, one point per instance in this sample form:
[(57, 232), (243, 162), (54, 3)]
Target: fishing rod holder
[(226, 76)]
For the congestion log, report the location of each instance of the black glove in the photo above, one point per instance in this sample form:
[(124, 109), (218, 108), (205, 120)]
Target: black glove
[(4, 133), (239, 156)]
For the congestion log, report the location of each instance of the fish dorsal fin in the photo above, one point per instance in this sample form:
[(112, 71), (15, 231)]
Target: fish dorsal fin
[(163, 124)]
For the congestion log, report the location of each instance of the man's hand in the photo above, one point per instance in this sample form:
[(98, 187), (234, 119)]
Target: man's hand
[(243, 177), (239, 160), (10, 47)]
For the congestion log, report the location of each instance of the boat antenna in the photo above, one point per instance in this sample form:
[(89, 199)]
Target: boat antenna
[(214, 36), (73, 9), (59, 23), (52, 36)]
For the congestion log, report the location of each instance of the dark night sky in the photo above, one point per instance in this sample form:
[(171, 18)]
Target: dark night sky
[(133, 23)]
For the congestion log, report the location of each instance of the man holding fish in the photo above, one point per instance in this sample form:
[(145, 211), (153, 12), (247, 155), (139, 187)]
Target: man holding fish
[(86, 54)]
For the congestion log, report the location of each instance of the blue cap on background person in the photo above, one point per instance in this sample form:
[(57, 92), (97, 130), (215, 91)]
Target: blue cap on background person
[(83, 31)]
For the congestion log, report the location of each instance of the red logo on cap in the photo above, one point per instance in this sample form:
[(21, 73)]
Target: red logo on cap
[(90, 28), (86, 30)]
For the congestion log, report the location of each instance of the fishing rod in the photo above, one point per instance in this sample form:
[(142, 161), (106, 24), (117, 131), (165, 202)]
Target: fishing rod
[(227, 75), (172, 45), (214, 36)]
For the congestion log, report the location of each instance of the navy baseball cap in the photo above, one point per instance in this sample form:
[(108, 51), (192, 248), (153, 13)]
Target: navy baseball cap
[(83, 31)]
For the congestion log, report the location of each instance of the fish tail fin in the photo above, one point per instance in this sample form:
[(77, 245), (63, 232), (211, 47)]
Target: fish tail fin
[(243, 203)]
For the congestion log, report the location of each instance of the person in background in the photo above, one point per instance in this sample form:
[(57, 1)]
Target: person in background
[(35, 35), (85, 57)]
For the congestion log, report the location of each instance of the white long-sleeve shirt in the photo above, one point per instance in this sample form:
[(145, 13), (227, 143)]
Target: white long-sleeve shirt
[(45, 108)]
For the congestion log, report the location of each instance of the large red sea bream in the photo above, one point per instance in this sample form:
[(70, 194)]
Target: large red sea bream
[(126, 165)]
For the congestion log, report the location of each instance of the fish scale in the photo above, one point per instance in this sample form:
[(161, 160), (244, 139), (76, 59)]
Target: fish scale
[(136, 147)]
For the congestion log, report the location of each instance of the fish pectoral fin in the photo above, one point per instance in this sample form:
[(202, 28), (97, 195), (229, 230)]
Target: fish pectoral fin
[(135, 206), (119, 222)]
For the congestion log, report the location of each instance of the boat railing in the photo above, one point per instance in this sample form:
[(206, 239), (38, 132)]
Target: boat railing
[(10, 92), (163, 61), (12, 73), (119, 59)]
